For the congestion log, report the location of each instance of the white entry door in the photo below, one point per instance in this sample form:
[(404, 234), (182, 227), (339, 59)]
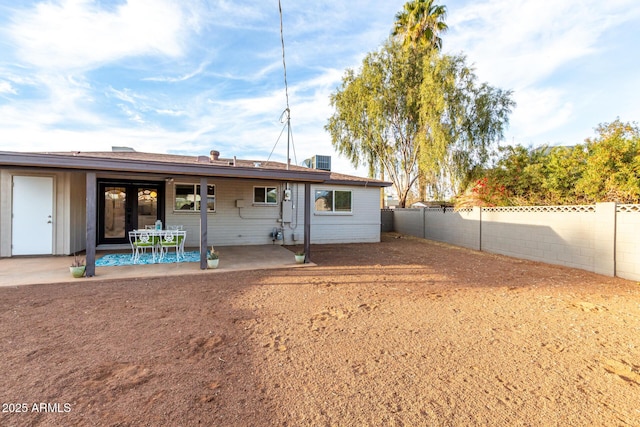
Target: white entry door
[(32, 230)]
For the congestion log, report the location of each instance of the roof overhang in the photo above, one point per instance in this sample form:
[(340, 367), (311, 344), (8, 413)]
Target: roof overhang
[(360, 183), (87, 163)]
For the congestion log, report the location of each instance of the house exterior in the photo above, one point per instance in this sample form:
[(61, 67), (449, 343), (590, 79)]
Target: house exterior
[(62, 203)]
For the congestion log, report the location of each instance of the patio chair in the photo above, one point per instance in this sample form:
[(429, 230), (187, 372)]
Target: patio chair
[(140, 241), (172, 239)]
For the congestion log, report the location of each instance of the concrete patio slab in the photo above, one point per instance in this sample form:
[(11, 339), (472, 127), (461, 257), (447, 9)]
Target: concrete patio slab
[(55, 269)]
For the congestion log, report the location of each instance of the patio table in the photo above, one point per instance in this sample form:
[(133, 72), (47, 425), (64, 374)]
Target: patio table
[(160, 239)]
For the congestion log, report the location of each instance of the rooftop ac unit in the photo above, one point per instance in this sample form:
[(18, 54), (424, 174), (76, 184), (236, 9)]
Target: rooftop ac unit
[(319, 162)]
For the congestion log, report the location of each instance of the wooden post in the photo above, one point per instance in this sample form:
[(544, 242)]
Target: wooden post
[(203, 223), (91, 219), (307, 221)]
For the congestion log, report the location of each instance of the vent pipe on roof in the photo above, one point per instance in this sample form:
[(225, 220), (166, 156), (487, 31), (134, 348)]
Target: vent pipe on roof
[(118, 149), (214, 155)]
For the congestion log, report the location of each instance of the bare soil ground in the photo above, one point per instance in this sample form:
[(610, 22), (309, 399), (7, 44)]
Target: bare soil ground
[(404, 332)]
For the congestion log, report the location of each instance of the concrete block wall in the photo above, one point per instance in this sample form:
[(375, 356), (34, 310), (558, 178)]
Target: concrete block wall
[(461, 228), (554, 234), (386, 220), (601, 238), (627, 253), (409, 221)]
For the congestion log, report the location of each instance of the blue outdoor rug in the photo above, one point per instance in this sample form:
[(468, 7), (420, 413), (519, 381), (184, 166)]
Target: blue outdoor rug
[(111, 260)]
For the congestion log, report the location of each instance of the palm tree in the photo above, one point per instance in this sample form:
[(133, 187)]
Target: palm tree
[(420, 23)]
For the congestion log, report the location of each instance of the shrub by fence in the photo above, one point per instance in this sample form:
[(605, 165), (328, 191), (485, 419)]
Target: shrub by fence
[(601, 238)]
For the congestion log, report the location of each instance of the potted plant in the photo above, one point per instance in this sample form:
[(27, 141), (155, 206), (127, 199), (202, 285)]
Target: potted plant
[(78, 267), (300, 257), (212, 258)]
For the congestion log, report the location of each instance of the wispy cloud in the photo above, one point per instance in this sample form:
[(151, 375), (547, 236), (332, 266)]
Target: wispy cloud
[(519, 42), (181, 78), (6, 87), (529, 46), (77, 34)]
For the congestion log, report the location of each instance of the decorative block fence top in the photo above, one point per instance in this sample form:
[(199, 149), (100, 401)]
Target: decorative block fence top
[(628, 208), (567, 208)]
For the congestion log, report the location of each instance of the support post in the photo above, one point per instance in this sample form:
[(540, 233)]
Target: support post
[(91, 218), (307, 221), (203, 223)]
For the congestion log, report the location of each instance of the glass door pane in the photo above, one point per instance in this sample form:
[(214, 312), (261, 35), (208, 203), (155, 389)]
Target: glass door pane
[(147, 206), (115, 200)]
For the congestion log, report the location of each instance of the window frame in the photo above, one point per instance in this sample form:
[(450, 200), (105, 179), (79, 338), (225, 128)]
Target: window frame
[(196, 193), (333, 210), (266, 193)]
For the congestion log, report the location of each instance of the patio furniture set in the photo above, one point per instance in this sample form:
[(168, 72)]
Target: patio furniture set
[(158, 242)]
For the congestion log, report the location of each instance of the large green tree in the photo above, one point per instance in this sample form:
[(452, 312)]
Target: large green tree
[(376, 118), (416, 112)]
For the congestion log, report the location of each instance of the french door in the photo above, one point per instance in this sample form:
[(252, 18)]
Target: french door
[(126, 206)]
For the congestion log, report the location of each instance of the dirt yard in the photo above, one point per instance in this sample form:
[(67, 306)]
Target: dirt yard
[(401, 333)]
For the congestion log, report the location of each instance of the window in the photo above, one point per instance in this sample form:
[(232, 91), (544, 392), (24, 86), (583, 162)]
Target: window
[(265, 195), (188, 198), (333, 201)]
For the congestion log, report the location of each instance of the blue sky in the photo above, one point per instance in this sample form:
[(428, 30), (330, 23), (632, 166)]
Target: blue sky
[(188, 76)]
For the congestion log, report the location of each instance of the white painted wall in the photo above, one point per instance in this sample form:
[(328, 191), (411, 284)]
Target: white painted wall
[(253, 224), (361, 225)]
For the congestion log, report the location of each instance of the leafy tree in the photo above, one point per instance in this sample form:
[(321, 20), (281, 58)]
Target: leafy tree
[(520, 171), (462, 123), (413, 112), (604, 169), (563, 168), (486, 192), (612, 169), (420, 24), (376, 118)]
